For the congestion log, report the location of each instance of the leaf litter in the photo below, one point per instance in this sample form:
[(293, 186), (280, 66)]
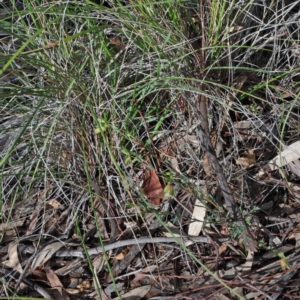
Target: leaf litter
[(82, 229)]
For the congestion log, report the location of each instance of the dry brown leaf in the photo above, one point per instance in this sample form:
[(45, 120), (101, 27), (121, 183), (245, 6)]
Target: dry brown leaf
[(99, 262), (13, 257), (33, 220), (206, 165), (136, 294), (291, 153), (45, 254), (54, 280), (6, 264), (222, 248), (174, 163), (117, 42), (122, 254), (152, 187), (247, 160), (198, 217)]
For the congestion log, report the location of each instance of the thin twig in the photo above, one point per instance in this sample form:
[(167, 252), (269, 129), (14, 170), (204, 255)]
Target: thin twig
[(119, 244)]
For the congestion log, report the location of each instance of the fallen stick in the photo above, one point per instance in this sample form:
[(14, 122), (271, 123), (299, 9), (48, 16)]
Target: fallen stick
[(140, 240)]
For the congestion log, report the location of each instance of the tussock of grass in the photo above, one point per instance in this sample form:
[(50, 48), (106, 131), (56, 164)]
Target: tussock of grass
[(94, 91)]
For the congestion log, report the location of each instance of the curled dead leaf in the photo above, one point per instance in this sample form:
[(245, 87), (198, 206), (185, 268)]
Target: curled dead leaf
[(152, 187)]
